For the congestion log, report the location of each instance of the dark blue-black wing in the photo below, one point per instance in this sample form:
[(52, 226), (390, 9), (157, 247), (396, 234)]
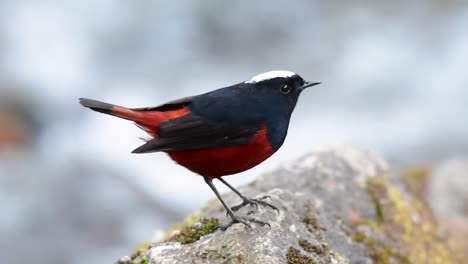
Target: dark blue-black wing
[(192, 131)]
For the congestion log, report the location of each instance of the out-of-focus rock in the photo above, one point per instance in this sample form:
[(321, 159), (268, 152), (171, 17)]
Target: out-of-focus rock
[(448, 189), (336, 206), (448, 197)]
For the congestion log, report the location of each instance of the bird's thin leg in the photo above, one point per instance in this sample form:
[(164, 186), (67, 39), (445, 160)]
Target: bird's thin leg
[(234, 219), (247, 201), (210, 183)]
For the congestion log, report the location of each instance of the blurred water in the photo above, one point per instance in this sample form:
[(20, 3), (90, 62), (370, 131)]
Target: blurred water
[(394, 80)]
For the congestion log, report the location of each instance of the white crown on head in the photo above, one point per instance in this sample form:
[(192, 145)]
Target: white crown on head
[(270, 75)]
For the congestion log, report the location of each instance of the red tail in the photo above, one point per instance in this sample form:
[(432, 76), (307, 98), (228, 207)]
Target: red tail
[(147, 120)]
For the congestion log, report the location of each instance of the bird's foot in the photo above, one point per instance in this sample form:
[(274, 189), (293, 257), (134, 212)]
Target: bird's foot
[(255, 202), (243, 220)]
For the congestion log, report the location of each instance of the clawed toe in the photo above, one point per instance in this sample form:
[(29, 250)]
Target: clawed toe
[(244, 203), (243, 220), (255, 202), (265, 204), (235, 219)]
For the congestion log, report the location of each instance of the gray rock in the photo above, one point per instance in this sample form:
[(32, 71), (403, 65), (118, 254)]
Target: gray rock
[(335, 206), (124, 260), (448, 189), (447, 195)]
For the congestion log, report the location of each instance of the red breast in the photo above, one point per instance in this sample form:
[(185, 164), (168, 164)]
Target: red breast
[(219, 162)]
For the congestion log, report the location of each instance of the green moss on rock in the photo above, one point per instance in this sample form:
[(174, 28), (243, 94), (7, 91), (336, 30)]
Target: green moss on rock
[(337, 257), (380, 252), (294, 256), (307, 246), (189, 220), (376, 202), (420, 174), (415, 179), (193, 233), (223, 256), (141, 261), (311, 223), (359, 236), (402, 231), (140, 248)]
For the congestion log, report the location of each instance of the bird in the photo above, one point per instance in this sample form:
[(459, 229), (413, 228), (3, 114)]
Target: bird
[(222, 132)]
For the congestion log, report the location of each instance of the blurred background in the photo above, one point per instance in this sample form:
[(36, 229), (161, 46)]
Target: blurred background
[(394, 75)]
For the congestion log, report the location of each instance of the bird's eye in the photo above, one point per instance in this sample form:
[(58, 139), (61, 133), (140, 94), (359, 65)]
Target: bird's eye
[(285, 88)]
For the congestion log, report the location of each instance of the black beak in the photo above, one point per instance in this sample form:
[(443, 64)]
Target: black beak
[(309, 84)]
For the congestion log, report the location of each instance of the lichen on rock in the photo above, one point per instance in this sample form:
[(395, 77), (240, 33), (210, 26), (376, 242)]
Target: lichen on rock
[(335, 207), (294, 256), (399, 232), (193, 233)]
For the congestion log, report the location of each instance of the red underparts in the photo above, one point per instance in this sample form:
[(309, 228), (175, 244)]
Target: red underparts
[(214, 163)]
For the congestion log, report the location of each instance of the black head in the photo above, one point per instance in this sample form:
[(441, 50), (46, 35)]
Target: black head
[(280, 88)]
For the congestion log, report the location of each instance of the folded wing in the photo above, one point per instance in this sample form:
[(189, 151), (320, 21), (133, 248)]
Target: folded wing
[(192, 131)]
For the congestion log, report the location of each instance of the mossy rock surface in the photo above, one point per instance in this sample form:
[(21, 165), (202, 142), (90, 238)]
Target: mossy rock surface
[(336, 206), (193, 233)]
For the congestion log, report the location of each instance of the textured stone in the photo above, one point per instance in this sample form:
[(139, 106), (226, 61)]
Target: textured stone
[(335, 206)]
